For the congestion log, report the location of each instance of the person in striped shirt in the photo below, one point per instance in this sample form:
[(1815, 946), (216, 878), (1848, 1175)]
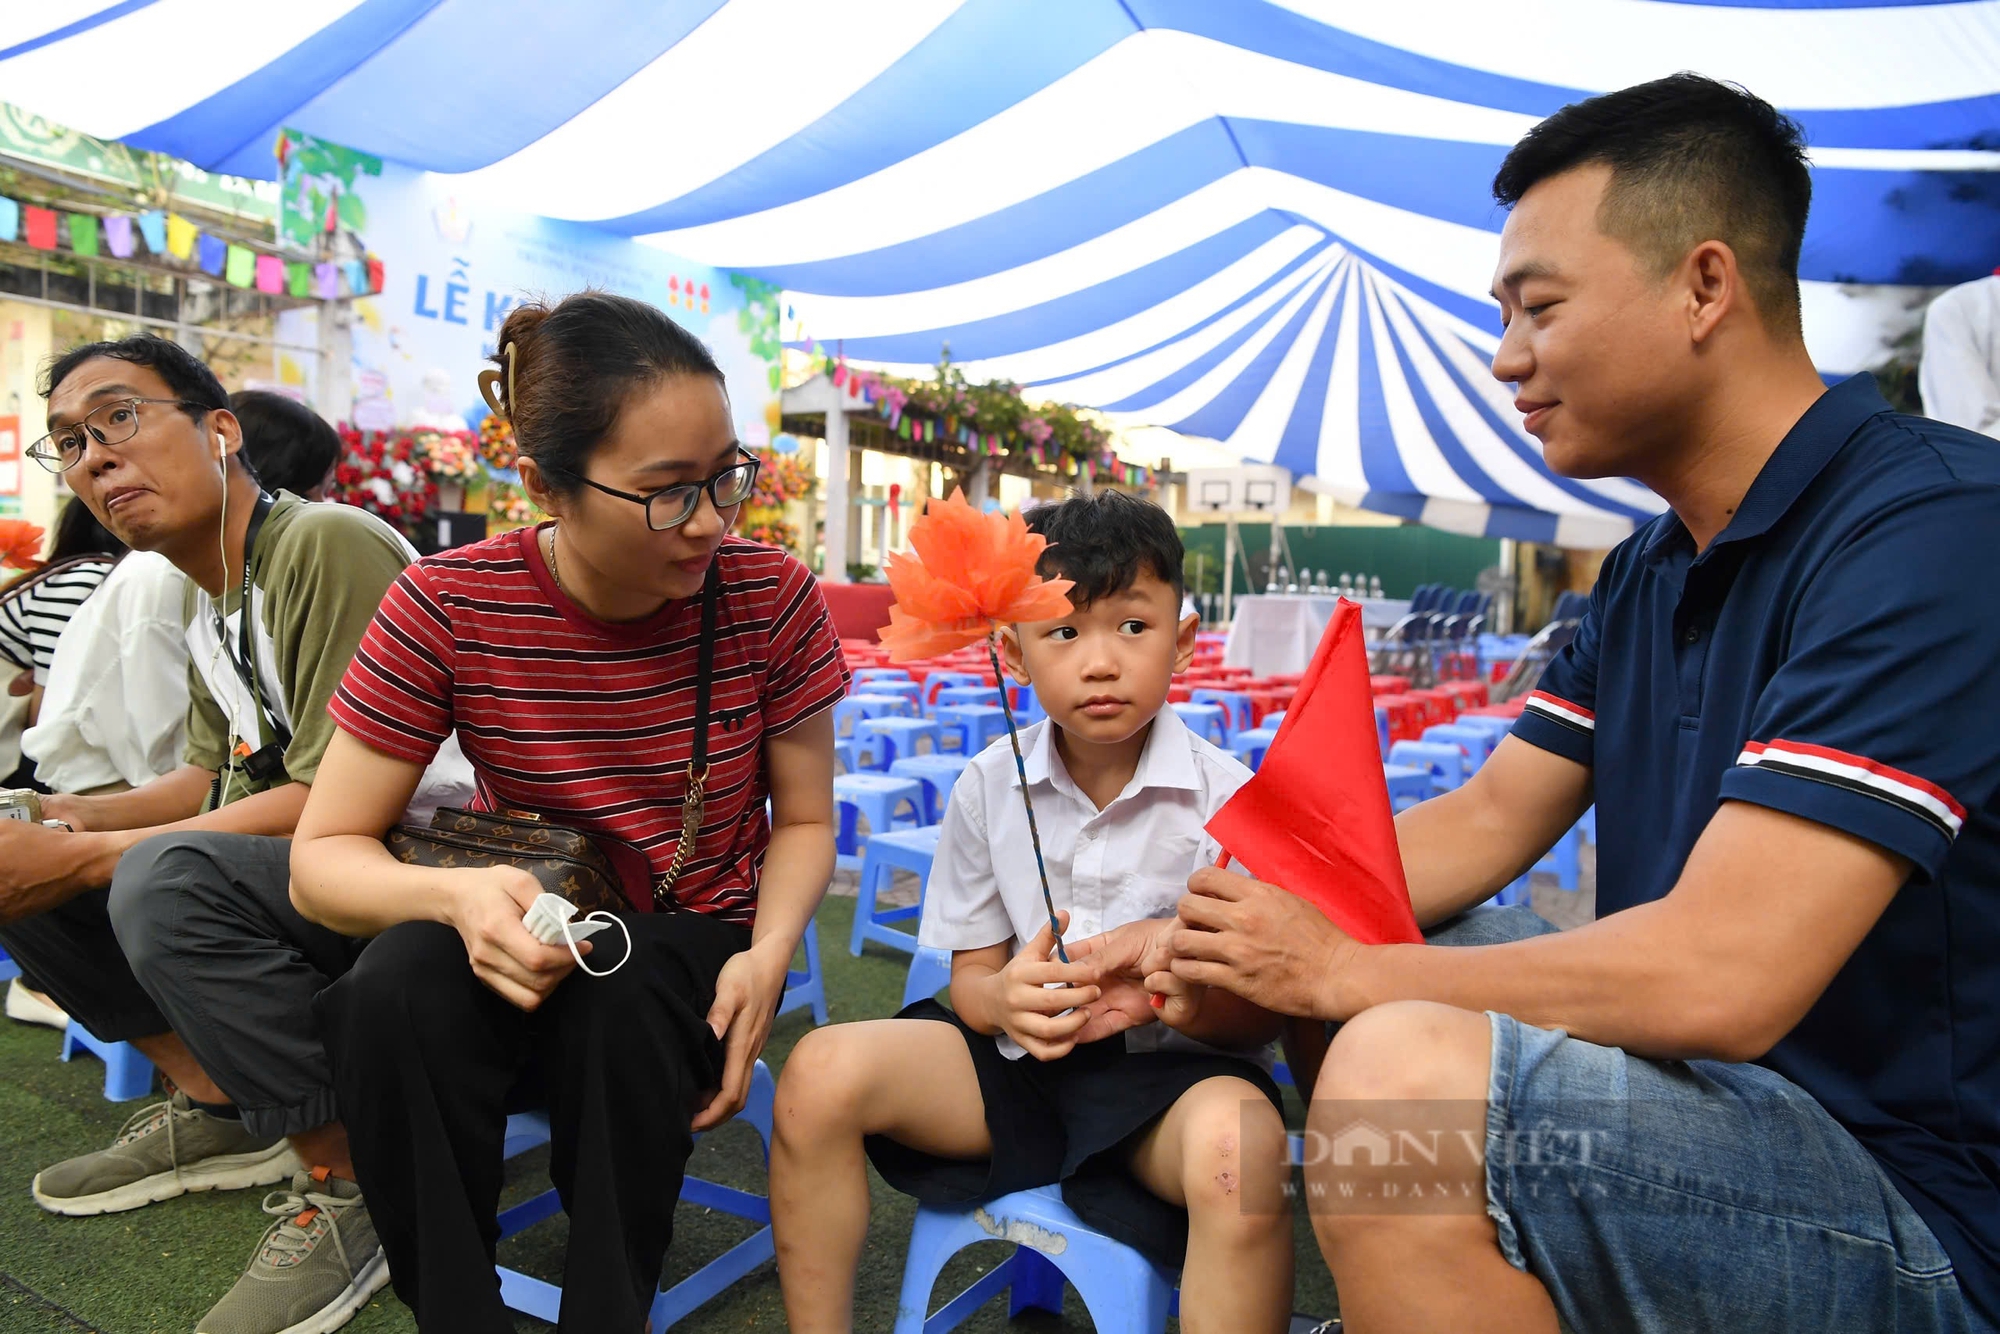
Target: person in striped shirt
[(566, 655)]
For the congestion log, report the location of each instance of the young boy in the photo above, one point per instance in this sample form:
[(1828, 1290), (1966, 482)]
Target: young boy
[(1166, 1136)]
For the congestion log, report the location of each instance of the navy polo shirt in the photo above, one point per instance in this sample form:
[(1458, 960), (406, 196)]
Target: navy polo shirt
[(1834, 653)]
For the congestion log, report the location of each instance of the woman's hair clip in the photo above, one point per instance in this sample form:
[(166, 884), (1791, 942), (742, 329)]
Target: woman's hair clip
[(489, 386)]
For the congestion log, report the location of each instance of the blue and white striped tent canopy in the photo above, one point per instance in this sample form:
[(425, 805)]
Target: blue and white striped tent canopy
[(1260, 221)]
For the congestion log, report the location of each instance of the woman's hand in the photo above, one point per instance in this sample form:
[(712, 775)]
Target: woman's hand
[(487, 912), (747, 992)]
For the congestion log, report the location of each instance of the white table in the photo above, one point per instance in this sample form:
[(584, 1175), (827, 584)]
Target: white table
[(1275, 634)]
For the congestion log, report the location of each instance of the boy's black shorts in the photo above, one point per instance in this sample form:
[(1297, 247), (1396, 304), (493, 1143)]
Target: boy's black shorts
[(1066, 1121)]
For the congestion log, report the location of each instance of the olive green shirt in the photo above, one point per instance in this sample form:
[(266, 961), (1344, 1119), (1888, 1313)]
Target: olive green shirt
[(317, 575)]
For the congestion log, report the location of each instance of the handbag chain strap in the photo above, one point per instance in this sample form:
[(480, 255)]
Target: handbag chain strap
[(697, 769)]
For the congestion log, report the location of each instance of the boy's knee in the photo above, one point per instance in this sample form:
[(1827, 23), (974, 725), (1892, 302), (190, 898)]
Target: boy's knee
[(1233, 1156), (822, 1085)]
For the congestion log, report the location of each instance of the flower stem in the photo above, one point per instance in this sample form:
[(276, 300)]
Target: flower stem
[(1021, 768)]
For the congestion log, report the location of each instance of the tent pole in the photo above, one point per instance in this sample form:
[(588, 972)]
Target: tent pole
[(1228, 568), (834, 570)]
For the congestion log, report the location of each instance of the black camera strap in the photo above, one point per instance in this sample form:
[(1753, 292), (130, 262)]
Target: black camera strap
[(243, 658)]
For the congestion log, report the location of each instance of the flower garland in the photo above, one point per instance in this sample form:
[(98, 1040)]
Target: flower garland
[(509, 505), (987, 419), (782, 478)]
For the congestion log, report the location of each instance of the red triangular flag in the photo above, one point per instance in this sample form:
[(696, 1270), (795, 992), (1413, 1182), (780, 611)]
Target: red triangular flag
[(1316, 817)]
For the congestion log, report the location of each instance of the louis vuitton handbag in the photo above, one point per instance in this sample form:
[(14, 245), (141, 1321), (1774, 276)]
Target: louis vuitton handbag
[(593, 871)]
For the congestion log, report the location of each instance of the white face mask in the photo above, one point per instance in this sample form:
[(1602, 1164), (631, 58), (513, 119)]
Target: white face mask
[(548, 920)]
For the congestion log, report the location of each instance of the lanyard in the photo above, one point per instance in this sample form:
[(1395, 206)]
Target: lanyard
[(244, 657)]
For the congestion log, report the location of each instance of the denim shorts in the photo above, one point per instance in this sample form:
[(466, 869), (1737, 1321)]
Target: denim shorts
[(1692, 1195)]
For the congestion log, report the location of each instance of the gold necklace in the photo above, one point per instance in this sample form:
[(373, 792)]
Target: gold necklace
[(554, 572)]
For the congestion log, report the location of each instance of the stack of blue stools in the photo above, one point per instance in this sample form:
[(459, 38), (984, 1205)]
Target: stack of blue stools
[(1407, 786), (1237, 710), (938, 774), (972, 727), (1443, 760)]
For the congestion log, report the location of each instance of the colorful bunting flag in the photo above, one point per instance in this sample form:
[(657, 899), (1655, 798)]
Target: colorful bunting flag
[(298, 278), (83, 233), (41, 227), (118, 235), (153, 227), (181, 238), (214, 252), (270, 274), (326, 280), (357, 277), (376, 274), (242, 266), (10, 219)]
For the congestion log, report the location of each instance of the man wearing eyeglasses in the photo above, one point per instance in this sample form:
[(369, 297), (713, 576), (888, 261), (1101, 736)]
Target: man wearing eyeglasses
[(161, 915)]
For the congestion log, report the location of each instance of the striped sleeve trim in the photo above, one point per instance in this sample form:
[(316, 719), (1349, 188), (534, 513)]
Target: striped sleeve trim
[(1557, 710), (1821, 764)]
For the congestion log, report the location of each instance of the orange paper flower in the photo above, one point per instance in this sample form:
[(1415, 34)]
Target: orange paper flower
[(20, 544), (972, 571)]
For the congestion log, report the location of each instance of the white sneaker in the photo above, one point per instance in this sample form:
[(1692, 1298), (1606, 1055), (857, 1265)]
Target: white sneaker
[(32, 1007)]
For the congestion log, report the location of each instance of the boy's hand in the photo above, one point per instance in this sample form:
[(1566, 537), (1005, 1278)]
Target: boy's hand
[(1044, 1019)]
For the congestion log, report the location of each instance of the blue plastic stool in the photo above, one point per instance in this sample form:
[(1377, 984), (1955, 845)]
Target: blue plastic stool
[(930, 973), (1250, 746), (876, 796), (1205, 720), (1273, 720), (907, 691), (899, 736), (912, 850), (1382, 729), (1588, 824), (9, 970), (974, 726), (807, 987), (1475, 743), (1407, 786), (868, 674), (938, 773), (127, 1074), (1238, 713), (937, 681), (1120, 1288), (850, 713), (531, 1296), (1445, 762), (967, 695)]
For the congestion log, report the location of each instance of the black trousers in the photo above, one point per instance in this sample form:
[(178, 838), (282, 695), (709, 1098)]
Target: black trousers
[(427, 1062)]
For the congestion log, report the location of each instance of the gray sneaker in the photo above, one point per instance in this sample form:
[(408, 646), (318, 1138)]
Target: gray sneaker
[(167, 1149), (316, 1266)]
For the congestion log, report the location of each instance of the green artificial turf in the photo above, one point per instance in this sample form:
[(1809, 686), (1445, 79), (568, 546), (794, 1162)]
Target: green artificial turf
[(160, 1268)]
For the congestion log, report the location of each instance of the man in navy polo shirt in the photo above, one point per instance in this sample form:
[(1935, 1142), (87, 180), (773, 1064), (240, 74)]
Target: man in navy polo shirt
[(1762, 1090)]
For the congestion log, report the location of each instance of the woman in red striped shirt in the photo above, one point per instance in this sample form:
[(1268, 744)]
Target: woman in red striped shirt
[(566, 656)]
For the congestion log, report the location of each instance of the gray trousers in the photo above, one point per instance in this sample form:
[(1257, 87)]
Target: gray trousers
[(198, 934)]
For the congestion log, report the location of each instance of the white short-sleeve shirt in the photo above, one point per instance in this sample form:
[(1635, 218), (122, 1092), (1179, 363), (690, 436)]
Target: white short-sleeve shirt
[(1127, 862)]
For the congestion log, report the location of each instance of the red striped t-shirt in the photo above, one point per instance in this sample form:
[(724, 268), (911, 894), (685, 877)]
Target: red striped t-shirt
[(590, 724)]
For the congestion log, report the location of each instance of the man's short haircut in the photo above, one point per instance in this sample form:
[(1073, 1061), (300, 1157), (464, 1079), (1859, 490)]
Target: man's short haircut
[(1102, 542), (1691, 160), (185, 373), (290, 446)]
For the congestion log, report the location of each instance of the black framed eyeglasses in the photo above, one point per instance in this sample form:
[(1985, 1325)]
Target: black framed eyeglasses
[(672, 506), (111, 423)]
